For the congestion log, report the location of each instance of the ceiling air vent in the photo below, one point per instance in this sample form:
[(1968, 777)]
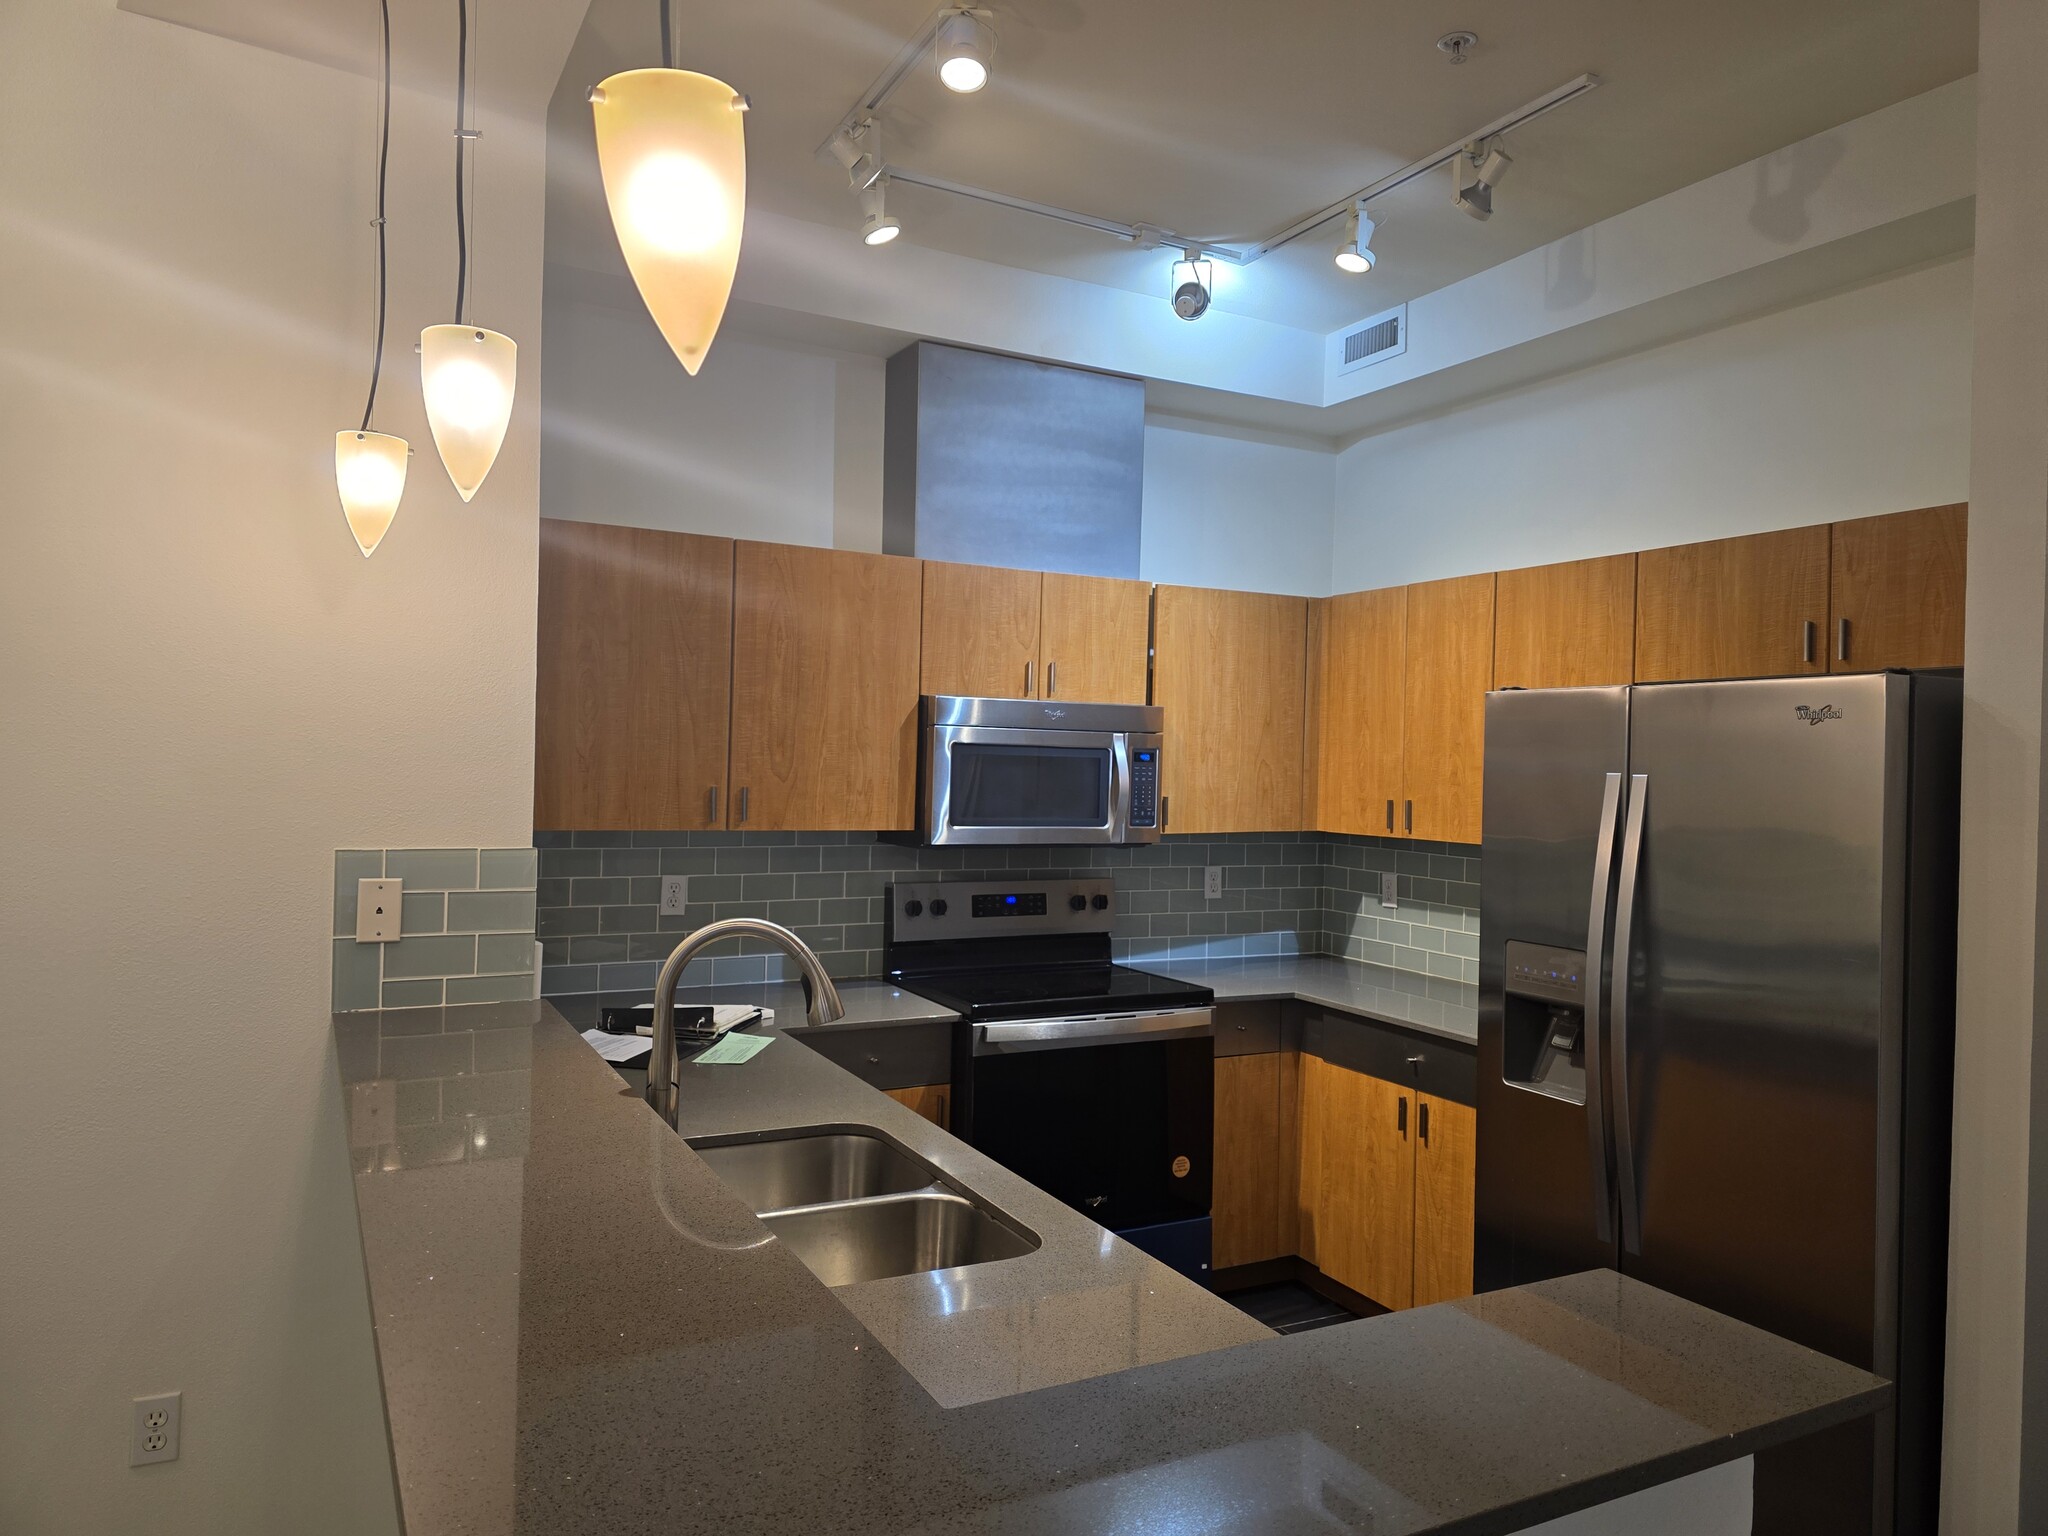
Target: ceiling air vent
[(1375, 340)]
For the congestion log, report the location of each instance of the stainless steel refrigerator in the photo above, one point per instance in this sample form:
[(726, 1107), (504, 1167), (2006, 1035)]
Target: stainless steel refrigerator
[(1717, 1000)]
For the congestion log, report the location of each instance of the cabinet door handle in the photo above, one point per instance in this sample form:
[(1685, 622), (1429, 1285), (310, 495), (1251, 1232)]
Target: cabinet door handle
[(714, 805), (1422, 1121), (1027, 679), (743, 802), (1841, 639), (1808, 633), (1052, 678), (1165, 811), (1408, 817), (1401, 1115), (1390, 816)]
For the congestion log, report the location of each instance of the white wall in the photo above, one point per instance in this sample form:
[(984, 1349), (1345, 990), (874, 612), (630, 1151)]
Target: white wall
[(1235, 509), (1854, 404), (207, 691)]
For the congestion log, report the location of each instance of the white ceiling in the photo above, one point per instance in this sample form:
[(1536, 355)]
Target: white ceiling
[(1226, 119)]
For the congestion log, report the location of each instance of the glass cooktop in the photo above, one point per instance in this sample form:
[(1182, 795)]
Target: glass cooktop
[(1048, 991)]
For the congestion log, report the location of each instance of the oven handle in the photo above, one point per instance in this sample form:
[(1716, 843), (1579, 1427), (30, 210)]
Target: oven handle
[(1093, 1029)]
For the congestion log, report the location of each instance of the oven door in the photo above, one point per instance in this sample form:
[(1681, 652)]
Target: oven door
[(1114, 1115), (988, 784)]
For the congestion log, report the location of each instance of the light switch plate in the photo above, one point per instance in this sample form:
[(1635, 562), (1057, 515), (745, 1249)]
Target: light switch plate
[(377, 908), (1212, 882), (675, 895), (1389, 884)]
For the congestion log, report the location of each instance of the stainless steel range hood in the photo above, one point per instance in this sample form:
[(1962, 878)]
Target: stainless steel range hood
[(997, 460)]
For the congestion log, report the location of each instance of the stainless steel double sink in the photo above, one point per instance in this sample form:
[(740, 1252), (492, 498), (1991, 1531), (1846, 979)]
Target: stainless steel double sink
[(855, 1206)]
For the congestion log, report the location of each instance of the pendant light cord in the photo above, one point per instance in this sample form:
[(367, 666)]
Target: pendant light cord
[(383, 163), (461, 153), (668, 46)]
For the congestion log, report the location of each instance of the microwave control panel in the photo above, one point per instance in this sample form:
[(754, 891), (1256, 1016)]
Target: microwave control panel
[(1145, 787)]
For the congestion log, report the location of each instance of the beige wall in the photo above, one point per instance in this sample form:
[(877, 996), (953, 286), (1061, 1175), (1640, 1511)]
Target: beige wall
[(207, 690), (1995, 1449)]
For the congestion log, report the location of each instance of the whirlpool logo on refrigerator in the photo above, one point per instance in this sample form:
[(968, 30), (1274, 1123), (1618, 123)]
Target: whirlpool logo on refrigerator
[(1816, 714)]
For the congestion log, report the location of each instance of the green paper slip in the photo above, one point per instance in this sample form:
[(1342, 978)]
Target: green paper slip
[(733, 1049)]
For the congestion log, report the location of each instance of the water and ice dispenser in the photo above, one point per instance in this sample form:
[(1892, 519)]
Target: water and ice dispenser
[(1543, 1044)]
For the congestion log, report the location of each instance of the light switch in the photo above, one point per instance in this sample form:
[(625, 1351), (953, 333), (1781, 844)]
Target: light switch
[(377, 905), (1388, 884)]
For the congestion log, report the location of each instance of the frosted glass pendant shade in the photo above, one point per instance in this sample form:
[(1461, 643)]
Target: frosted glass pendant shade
[(672, 150), (369, 471), (468, 375)]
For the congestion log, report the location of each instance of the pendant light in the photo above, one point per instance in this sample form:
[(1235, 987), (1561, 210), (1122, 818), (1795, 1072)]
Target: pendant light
[(467, 374), (369, 467), (673, 154)]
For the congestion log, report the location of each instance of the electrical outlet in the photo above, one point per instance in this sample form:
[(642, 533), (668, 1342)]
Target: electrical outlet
[(1212, 882), (153, 1430), (377, 909), (1389, 884), (675, 894)]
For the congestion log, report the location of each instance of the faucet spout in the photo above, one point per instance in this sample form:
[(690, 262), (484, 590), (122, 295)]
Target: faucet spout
[(822, 999)]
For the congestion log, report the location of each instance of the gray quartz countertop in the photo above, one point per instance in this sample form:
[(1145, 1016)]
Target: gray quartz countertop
[(867, 1002), (580, 1329), (1427, 1003)]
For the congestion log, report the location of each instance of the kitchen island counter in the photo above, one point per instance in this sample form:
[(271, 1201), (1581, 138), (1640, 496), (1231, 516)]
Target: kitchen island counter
[(581, 1329)]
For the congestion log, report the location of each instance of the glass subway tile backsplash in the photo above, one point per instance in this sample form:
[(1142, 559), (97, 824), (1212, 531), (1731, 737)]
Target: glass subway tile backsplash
[(600, 927), (465, 928)]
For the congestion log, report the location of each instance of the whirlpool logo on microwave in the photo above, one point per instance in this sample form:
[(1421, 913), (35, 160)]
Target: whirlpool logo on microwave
[(1816, 714)]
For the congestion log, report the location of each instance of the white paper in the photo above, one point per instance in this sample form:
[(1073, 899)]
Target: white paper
[(618, 1047)]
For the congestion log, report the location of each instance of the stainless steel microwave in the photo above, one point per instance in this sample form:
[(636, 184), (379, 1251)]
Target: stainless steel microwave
[(1037, 771)]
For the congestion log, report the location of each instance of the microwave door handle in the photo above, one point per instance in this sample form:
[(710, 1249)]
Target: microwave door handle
[(1624, 945), (1596, 941), (1119, 827)]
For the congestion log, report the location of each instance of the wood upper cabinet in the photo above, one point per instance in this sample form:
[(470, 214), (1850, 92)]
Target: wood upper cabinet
[(1446, 1175), (632, 679), (1748, 607), (1566, 626), (1896, 588), (980, 630), (1449, 669), (1095, 637), (1357, 1189), (1245, 1201), (1358, 649), (825, 662), (1230, 671)]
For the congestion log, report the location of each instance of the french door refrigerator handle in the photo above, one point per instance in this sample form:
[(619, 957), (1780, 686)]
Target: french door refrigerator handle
[(1624, 934), (1596, 940)]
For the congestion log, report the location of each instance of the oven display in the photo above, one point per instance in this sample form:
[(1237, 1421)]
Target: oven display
[(1022, 904)]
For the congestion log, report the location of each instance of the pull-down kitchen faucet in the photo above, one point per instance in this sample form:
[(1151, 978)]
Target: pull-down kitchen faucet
[(821, 997)]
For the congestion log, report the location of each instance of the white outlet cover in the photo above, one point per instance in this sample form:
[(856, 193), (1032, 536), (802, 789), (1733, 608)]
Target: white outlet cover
[(1212, 882), (153, 1431), (675, 894), (1389, 889), (377, 910)]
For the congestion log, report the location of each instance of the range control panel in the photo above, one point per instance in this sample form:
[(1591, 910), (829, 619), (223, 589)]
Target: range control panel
[(1145, 787), (961, 909), (1554, 975)]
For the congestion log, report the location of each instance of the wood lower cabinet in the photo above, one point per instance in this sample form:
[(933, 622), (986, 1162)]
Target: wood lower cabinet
[(1446, 1175), (1230, 670), (1449, 669), (633, 664), (934, 1101), (1095, 638), (1896, 590), (1566, 626), (1358, 667), (980, 631), (825, 659), (1748, 607), (1245, 1200), (1357, 1193)]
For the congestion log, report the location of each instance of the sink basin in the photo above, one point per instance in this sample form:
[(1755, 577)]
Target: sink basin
[(811, 1167), (906, 1234)]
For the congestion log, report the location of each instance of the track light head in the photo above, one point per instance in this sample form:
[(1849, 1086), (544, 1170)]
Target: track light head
[(858, 150), (1354, 252), (877, 227), (1193, 283), (1474, 175), (965, 45)]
